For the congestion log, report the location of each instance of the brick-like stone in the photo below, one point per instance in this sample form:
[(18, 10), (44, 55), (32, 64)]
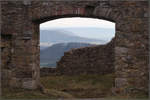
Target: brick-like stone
[(29, 84), (20, 32)]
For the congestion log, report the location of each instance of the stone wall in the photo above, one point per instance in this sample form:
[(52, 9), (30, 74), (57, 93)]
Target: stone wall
[(6, 58), (88, 60), (20, 30), (48, 71)]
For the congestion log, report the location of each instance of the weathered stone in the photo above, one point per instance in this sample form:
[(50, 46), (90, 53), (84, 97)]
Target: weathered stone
[(15, 83), (23, 17), (121, 50), (29, 84), (121, 82), (88, 60), (48, 71), (27, 2), (6, 74)]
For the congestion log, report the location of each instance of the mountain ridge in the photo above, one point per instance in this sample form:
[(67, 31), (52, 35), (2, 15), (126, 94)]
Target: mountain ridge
[(57, 36), (52, 54)]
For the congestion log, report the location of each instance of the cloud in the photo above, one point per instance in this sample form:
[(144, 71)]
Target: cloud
[(45, 44)]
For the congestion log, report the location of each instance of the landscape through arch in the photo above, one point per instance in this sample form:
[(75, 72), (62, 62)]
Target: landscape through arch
[(78, 49), (65, 34)]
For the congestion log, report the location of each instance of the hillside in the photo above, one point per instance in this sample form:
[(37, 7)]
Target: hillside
[(50, 55)]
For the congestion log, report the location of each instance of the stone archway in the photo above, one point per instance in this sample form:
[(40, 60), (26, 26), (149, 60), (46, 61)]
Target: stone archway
[(20, 37)]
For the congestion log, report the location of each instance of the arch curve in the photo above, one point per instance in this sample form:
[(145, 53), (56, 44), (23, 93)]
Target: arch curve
[(48, 18), (48, 12)]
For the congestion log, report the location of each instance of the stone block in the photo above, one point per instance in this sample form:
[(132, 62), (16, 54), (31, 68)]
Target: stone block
[(29, 84), (120, 82), (6, 74), (15, 82)]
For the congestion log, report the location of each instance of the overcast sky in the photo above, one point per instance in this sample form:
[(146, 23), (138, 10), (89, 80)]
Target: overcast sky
[(85, 23), (77, 22)]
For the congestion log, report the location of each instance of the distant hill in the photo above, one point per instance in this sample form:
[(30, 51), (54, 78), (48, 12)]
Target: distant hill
[(63, 36), (50, 55), (104, 34), (54, 42)]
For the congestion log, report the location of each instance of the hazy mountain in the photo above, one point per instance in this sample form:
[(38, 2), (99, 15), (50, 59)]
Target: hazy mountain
[(50, 55), (105, 34), (63, 36), (66, 38), (43, 47)]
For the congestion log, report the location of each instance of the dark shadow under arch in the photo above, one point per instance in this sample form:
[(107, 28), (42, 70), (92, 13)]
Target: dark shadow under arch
[(48, 18)]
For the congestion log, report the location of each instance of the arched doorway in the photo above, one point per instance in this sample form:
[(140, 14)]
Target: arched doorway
[(92, 40)]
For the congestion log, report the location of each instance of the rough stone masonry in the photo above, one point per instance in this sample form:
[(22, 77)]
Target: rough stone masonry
[(97, 59), (20, 38)]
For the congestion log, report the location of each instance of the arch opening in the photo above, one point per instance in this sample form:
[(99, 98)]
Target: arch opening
[(69, 45), (80, 30)]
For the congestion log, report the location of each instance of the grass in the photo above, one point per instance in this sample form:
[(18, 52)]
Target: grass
[(79, 86), (9, 93), (33, 94)]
